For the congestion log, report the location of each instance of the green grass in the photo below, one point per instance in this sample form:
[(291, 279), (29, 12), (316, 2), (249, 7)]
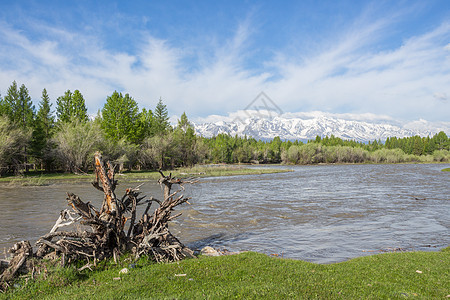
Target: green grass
[(421, 275), (197, 171), (446, 170)]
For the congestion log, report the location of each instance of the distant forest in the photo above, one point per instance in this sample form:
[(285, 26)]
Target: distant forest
[(65, 138)]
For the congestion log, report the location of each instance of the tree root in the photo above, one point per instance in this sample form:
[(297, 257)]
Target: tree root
[(106, 235)]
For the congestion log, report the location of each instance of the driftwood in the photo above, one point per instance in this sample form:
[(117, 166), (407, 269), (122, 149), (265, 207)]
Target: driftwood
[(110, 231)]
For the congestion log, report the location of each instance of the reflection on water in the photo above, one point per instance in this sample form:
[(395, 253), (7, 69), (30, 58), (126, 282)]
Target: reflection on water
[(324, 213)]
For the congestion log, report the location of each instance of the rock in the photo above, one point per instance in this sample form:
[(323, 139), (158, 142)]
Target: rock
[(123, 271), (132, 266), (209, 251)]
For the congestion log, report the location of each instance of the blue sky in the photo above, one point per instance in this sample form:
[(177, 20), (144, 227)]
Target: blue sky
[(369, 58)]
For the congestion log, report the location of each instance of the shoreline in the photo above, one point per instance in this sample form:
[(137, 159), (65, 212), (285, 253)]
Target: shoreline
[(199, 171)]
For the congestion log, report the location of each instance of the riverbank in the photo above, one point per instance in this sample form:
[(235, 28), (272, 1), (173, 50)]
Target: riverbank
[(38, 179), (249, 275)]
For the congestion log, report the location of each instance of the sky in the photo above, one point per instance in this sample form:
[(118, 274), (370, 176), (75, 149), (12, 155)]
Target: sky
[(213, 58)]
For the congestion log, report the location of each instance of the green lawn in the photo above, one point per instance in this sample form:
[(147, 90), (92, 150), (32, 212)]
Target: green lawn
[(421, 275)]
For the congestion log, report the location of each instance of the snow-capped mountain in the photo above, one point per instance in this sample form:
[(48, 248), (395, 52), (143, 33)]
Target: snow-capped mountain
[(294, 128)]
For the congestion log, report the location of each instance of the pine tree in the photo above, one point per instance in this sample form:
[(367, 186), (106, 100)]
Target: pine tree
[(2, 106), (45, 115), (63, 107), (10, 100), (18, 107), (79, 107), (417, 145), (43, 132), (161, 118), (184, 136), (24, 111)]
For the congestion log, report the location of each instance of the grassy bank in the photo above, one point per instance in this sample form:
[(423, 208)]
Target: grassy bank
[(253, 275), (197, 171), (446, 170)]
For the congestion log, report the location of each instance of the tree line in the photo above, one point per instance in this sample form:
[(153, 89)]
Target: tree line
[(65, 139)]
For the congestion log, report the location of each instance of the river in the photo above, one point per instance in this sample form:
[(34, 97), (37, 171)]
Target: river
[(321, 213)]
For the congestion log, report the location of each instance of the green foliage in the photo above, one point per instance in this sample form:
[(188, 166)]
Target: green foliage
[(12, 142), (145, 125), (2, 106), (120, 118), (184, 140), (123, 153), (161, 118), (76, 143), (145, 139), (71, 107), (10, 100), (18, 106), (251, 276), (157, 151), (43, 131)]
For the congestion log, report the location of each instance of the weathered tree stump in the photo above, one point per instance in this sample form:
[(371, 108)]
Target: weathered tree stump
[(111, 230)]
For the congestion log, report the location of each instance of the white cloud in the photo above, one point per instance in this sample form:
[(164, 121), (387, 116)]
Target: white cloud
[(441, 97), (345, 75)]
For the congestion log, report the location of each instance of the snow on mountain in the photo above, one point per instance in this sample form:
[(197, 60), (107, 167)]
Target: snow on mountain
[(295, 128)]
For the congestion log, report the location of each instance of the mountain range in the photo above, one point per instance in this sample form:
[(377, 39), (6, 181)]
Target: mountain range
[(296, 128)]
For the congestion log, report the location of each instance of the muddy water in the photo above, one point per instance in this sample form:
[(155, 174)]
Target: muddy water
[(323, 214)]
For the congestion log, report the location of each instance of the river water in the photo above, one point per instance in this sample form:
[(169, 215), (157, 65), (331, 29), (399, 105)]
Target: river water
[(322, 213)]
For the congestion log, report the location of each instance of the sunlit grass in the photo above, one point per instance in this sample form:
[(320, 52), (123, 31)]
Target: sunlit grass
[(250, 275)]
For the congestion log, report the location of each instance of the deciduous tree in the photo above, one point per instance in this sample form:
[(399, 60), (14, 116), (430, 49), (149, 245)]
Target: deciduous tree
[(71, 106), (76, 142), (12, 142), (120, 117)]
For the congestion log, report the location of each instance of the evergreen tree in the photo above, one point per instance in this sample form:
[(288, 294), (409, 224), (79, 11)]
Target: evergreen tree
[(417, 145), (442, 141), (2, 106), (184, 139), (161, 118), (79, 107), (43, 132), (64, 107), (24, 112), (18, 107), (45, 115), (10, 100)]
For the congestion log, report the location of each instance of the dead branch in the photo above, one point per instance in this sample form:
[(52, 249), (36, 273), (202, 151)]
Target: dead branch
[(111, 230)]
